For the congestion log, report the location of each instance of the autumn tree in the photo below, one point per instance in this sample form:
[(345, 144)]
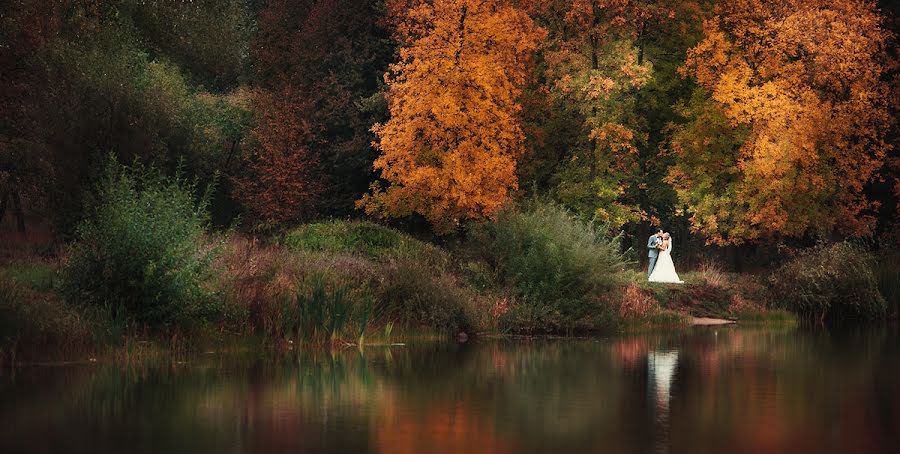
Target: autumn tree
[(282, 181), (450, 148), (594, 66), (788, 125), (320, 62)]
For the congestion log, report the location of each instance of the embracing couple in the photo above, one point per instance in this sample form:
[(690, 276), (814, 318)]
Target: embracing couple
[(661, 267)]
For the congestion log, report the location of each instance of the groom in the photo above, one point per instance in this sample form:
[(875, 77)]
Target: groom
[(653, 246)]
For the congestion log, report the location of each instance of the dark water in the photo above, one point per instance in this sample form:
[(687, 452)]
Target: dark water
[(732, 390)]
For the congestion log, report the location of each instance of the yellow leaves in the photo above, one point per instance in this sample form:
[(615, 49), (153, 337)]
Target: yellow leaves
[(449, 150), (806, 77)]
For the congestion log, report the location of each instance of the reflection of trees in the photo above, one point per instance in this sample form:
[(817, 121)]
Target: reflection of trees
[(772, 391), (761, 390), (523, 389)]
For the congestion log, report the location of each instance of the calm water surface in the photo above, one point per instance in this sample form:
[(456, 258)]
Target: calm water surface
[(732, 390)]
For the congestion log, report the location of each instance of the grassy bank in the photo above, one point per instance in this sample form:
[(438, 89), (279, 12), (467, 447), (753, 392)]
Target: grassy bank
[(146, 273), (350, 282)]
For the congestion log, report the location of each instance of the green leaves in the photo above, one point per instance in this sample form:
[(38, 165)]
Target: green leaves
[(142, 251)]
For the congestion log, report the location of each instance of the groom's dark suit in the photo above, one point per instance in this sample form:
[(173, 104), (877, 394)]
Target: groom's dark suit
[(652, 244)]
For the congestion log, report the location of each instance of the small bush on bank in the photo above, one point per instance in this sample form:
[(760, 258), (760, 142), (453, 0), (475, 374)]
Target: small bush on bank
[(416, 295), (141, 255), (562, 268), (833, 282)]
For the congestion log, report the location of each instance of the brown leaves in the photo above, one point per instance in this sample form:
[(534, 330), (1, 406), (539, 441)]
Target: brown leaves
[(283, 180)]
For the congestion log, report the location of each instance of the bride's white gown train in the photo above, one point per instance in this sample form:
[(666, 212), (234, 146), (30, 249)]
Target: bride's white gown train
[(664, 271)]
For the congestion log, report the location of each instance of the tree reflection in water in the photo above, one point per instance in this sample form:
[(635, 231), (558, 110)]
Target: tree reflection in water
[(739, 391)]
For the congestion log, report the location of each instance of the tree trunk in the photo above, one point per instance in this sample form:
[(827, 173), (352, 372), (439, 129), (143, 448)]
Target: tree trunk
[(640, 41), (17, 208)]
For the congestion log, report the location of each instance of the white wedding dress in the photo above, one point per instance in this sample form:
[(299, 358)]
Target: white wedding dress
[(664, 271)]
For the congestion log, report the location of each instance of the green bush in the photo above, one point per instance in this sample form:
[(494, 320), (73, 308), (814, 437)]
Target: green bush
[(561, 268), (360, 238), (833, 282), (140, 255)]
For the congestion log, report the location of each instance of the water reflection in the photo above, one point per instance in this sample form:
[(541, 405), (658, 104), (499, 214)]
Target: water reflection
[(661, 368), (697, 391)]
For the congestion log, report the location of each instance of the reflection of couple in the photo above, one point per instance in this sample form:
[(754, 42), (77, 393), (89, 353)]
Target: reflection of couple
[(661, 267)]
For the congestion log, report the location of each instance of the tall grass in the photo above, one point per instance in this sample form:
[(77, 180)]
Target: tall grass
[(713, 274), (318, 311), (562, 269), (830, 282), (410, 281), (38, 275)]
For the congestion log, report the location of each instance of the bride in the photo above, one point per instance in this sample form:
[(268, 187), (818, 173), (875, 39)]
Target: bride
[(664, 271)]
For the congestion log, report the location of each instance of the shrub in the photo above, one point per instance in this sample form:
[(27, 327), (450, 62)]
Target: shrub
[(829, 281), (418, 295), (140, 254), (411, 281), (561, 268)]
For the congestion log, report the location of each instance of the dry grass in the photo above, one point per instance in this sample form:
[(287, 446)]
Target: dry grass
[(260, 283), (252, 278), (34, 322), (712, 274), (636, 303), (741, 305)]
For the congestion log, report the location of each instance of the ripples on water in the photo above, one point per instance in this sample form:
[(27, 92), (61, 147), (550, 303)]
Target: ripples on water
[(732, 390)]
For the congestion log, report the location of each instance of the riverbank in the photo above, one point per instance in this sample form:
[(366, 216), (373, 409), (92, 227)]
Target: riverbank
[(340, 283)]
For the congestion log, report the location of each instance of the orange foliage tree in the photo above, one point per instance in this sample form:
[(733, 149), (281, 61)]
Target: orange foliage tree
[(450, 148), (789, 124)]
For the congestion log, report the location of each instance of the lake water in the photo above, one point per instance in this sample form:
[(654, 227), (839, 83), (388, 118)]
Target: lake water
[(716, 390)]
